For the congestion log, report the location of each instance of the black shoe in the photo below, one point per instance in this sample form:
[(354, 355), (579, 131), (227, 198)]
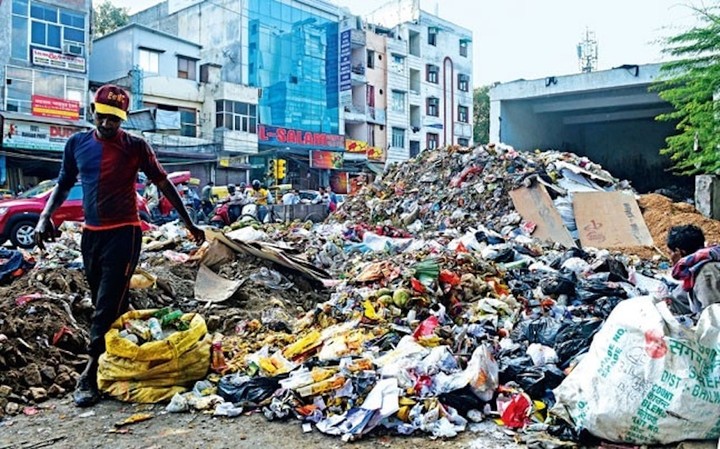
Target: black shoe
[(86, 393)]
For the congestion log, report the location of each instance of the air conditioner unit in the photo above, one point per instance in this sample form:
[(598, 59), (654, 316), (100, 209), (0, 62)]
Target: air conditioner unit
[(72, 48)]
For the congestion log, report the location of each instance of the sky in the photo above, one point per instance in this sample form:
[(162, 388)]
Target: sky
[(530, 39)]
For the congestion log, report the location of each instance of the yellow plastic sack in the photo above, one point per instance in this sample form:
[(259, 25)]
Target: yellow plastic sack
[(156, 370)]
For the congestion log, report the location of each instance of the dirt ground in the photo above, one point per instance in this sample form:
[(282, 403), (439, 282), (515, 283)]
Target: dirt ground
[(59, 424)]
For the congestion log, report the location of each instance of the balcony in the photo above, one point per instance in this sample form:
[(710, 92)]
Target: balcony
[(376, 115), (355, 114), (357, 77), (357, 38), (175, 88), (463, 129), (364, 114)]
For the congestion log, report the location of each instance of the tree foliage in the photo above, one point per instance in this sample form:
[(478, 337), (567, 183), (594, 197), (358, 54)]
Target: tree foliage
[(108, 18), (481, 115), (691, 83)]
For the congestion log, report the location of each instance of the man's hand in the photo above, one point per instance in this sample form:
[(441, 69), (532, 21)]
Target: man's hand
[(44, 232), (198, 235)]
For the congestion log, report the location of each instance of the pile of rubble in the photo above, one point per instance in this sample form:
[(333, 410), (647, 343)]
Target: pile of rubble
[(425, 303)]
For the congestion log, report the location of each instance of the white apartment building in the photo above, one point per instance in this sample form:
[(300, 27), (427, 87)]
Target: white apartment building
[(439, 67)]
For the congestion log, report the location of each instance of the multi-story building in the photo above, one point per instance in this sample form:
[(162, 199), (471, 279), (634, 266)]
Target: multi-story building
[(289, 50), (439, 64), (336, 93), (43, 65), (197, 118), (363, 91)]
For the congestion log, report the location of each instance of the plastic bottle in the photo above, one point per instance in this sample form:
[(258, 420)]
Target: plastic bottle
[(218, 363), (171, 317), (127, 335), (162, 312), (155, 328)]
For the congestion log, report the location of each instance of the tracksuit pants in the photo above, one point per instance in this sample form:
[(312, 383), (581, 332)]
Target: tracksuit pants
[(110, 257)]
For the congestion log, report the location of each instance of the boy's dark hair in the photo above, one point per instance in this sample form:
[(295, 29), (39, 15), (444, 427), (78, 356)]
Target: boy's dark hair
[(688, 238)]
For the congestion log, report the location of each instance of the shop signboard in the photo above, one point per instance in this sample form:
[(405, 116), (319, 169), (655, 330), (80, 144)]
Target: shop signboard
[(331, 160), (278, 136), (26, 135), (55, 107)]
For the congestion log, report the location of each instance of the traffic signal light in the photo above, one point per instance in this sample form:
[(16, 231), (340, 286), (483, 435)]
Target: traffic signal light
[(272, 170), (280, 168)]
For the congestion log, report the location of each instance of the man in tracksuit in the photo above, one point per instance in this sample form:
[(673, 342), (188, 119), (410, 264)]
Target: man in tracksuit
[(107, 160)]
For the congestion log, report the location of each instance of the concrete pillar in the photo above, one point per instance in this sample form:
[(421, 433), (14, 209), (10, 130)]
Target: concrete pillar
[(707, 195)]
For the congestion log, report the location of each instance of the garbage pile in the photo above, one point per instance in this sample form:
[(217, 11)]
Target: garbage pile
[(424, 304), (459, 187), (442, 318), (45, 312)]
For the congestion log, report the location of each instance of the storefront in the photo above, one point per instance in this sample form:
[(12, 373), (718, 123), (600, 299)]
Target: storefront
[(32, 146), (310, 157)]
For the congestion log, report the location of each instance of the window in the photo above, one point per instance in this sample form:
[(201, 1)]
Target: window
[(50, 26), (431, 73), (432, 36), (398, 137), (414, 40), (236, 116), (19, 84), (19, 38), (414, 148), (149, 60), (370, 59), (397, 64), (433, 107), (398, 101), (463, 114), (463, 82), (463, 142), (22, 83), (188, 122), (186, 68), (463, 47), (432, 141)]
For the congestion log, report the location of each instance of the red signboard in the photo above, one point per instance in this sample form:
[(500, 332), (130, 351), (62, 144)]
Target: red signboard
[(296, 137), (55, 107)]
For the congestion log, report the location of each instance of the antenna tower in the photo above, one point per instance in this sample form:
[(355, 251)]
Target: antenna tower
[(587, 52)]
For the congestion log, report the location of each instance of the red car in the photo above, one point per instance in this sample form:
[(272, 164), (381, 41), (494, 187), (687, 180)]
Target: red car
[(19, 216)]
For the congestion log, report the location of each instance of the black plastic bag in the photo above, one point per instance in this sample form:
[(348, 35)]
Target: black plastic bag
[(616, 270), (463, 400), (509, 367), (537, 380), (605, 305), (587, 292), (481, 237), (574, 338), (542, 330), (559, 284), (250, 393), (504, 255)]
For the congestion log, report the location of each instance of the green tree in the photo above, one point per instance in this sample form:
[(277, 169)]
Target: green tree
[(481, 115), (108, 18), (691, 83)]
